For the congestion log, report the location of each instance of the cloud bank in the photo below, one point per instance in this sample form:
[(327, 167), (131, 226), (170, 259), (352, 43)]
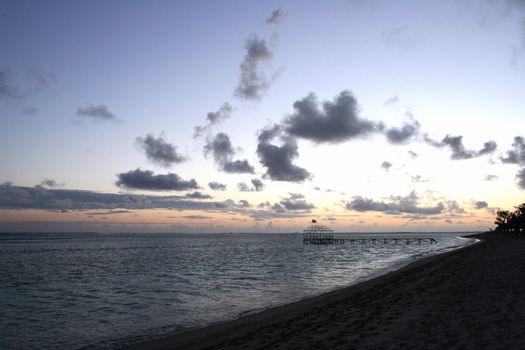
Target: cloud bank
[(147, 180)]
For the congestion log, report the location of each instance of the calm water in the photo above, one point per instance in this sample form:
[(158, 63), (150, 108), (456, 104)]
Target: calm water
[(61, 291)]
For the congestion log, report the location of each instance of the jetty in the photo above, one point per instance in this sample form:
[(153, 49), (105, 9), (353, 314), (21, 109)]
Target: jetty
[(321, 234)]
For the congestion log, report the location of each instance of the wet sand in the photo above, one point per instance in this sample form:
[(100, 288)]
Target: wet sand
[(472, 298)]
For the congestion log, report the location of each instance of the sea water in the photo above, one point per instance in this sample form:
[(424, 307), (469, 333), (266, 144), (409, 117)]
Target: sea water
[(70, 291)]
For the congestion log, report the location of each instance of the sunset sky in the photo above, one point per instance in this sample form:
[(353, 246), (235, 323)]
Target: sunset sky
[(257, 116)]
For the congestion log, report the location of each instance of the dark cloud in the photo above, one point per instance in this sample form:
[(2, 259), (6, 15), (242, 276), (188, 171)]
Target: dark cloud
[(333, 122), (481, 205), (220, 147), (197, 195), (159, 151), (269, 133), (253, 82), (216, 186), (222, 151), (213, 118), (111, 212), (404, 134), (244, 203), (398, 204), (96, 112), (520, 178), (517, 154), (489, 147), (147, 180), (459, 152), (278, 159), (258, 185), (196, 217), (51, 183), (60, 200), (238, 166), (276, 17), (386, 165), (296, 201), (38, 197)]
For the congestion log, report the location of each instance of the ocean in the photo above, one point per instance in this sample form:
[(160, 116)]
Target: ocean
[(74, 291)]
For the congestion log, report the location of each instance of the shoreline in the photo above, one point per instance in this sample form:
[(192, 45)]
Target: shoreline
[(234, 333)]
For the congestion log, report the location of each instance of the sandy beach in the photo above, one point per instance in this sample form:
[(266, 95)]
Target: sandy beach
[(470, 298)]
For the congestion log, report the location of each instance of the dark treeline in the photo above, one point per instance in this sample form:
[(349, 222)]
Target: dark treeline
[(513, 221)]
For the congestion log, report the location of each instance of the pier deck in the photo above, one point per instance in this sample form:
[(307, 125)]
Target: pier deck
[(398, 240)]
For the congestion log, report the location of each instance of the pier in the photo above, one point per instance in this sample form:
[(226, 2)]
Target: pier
[(398, 240), (321, 234)]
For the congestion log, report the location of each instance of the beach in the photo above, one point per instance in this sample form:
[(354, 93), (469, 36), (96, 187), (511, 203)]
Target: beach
[(471, 298)]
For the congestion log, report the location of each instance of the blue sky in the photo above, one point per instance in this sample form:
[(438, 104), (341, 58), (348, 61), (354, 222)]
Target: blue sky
[(83, 82)]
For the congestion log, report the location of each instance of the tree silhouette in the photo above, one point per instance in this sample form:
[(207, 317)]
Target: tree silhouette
[(513, 221)]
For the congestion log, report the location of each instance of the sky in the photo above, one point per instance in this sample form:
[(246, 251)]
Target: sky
[(258, 116)]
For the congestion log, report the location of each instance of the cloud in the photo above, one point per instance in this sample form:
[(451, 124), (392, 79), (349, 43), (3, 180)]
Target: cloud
[(243, 187), (29, 110), (418, 179), (216, 186), (111, 212), (99, 112), (147, 180), (333, 122), (258, 185), (253, 82), (278, 159), (517, 154), (398, 204), (399, 37), (197, 195), (6, 88), (480, 204), (220, 147), (238, 166), (295, 201), (196, 217), (520, 178), (60, 200), (413, 154), (391, 101), (38, 197), (459, 152), (404, 134), (159, 151), (276, 17), (244, 203), (213, 118), (386, 165), (51, 183), (491, 177)]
